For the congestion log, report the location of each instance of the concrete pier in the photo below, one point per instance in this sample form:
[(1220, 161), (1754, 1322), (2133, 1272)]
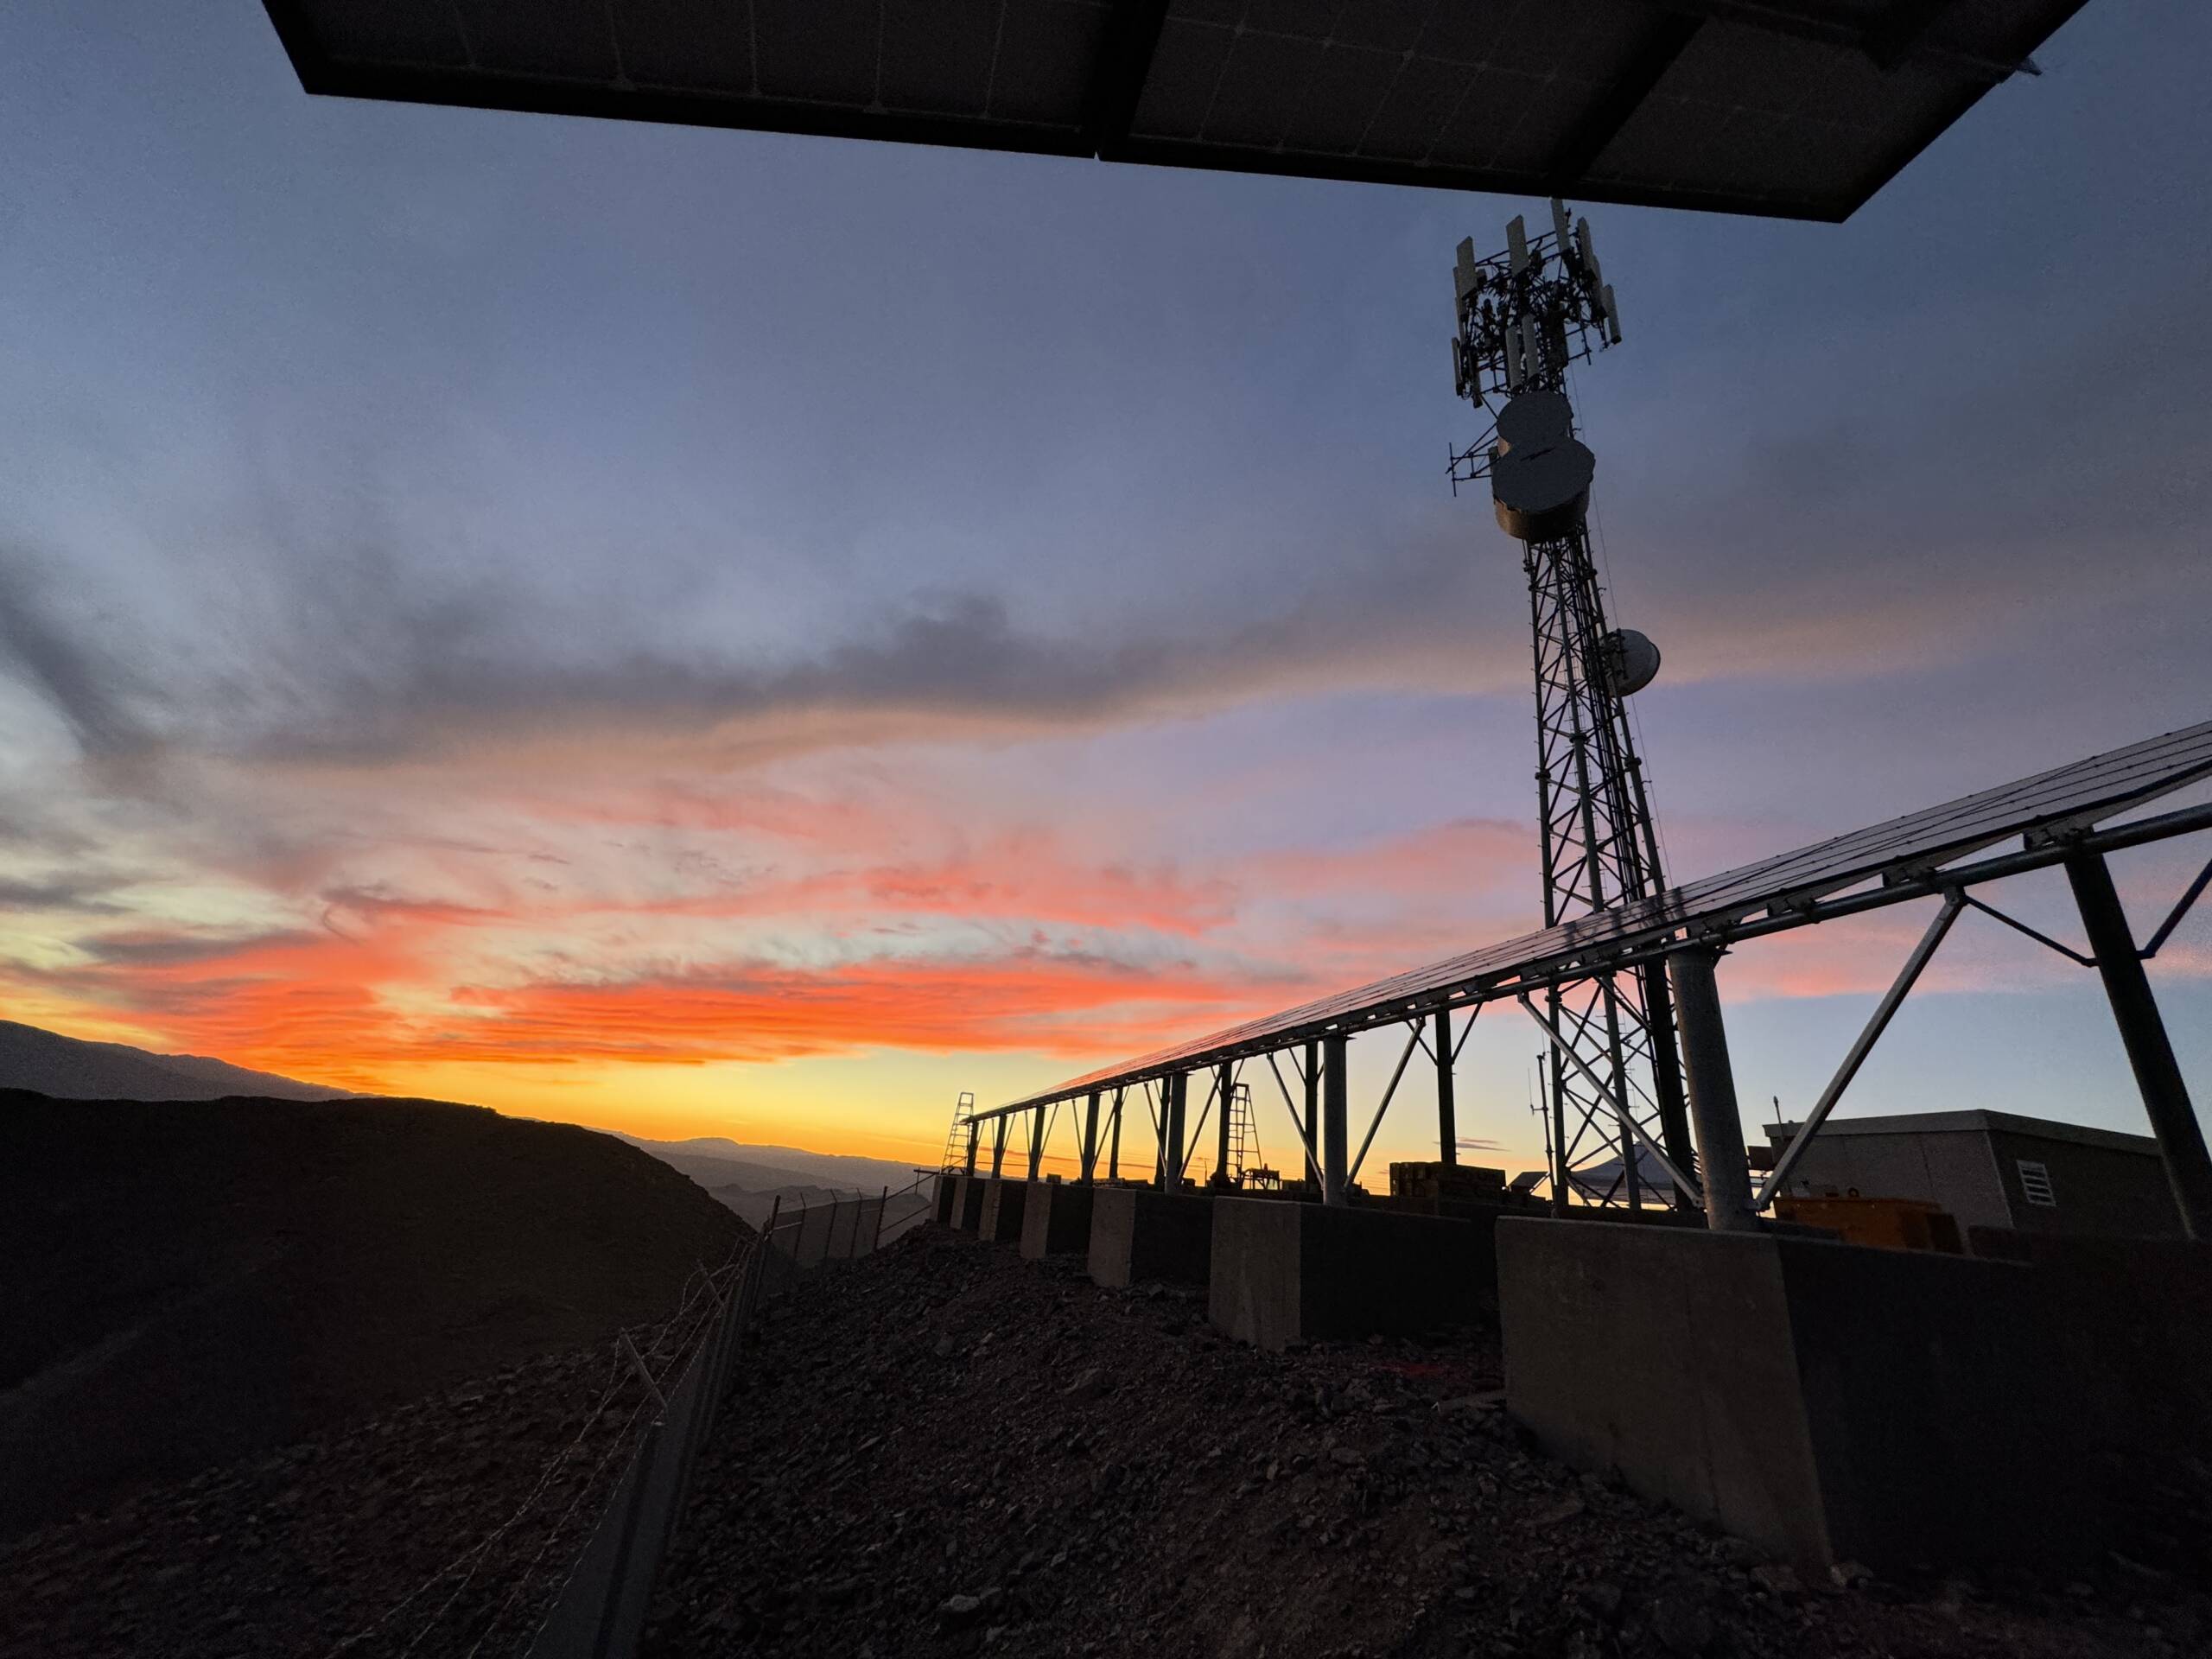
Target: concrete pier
[(1057, 1221), (1832, 1402), (968, 1202), (948, 1190), (1138, 1235), (1001, 1222), (1290, 1272)]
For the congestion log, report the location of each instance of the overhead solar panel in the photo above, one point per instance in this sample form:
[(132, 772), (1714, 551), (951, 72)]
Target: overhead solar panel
[(2062, 800), (1792, 108)]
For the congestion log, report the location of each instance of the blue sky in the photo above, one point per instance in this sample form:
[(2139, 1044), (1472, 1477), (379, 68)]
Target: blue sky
[(488, 603)]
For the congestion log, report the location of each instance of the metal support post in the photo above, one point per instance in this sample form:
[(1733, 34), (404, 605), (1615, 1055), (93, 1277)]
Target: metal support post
[(1313, 1103), (1447, 1131), (971, 1145), (2143, 1030), (1227, 1086), (1114, 1141), (1667, 1070), (998, 1147), (1159, 1136), (1090, 1139), (1722, 1168), (1036, 1142), (1171, 1168), (1558, 1111), (1335, 1133)]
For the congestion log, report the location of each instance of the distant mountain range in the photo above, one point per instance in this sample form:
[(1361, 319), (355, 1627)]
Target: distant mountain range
[(67, 1068), (750, 1178)]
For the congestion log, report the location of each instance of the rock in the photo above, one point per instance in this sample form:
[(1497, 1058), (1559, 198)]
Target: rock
[(1739, 1551), (1953, 1595), (1778, 1580), (958, 1612), (1600, 1599), (944, 1349), (1849, 1575), (1466, 1406), (1347, 1456), (1565, 1510), (1681, 1625), (1088, 1386)]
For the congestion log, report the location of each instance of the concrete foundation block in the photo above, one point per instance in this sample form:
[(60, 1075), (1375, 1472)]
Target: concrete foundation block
[(948, 1191), (1139, 1235), (1827, 1402), (1003, 1207), (968, 1202), (1287, 1272), (1057, 1221)]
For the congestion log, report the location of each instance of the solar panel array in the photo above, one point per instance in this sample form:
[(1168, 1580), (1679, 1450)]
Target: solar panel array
[(2061, 800), (1800, 108)]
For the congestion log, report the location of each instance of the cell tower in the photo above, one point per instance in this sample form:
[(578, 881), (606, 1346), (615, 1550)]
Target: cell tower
[(1522, 318)]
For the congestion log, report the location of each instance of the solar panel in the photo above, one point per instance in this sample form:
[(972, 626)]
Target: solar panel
[(1792, 108), (2062, 800)]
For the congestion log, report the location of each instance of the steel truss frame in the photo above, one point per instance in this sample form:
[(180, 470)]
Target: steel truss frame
[(2073, 819), (1524, 318)]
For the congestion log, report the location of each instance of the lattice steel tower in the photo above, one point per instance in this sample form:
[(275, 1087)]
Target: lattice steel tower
[(1522, 317)]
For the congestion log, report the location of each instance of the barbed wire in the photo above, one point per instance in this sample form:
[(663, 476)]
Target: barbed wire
[(663, 1349), (696, 1286)]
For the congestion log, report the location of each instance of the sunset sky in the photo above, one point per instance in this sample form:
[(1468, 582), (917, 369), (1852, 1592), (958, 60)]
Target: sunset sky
[(700, 632)]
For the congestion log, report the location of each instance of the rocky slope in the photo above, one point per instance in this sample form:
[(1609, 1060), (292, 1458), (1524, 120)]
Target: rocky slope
[(446, 1527), (945, 1450)]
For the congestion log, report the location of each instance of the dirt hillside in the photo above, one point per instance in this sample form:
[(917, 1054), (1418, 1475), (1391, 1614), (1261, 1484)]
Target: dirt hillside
[(183, 1284)]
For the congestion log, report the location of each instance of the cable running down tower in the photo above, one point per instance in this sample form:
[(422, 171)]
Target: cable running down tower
[(1522, 318)]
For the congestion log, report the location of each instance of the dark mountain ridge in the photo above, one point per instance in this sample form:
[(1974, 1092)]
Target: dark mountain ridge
[(69, 1068)]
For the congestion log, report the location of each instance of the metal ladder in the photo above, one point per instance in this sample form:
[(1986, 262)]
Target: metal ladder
[(1243, 1133), (955, 1138)]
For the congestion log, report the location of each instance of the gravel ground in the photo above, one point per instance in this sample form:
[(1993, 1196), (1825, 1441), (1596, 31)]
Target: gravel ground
[(945, 1450)]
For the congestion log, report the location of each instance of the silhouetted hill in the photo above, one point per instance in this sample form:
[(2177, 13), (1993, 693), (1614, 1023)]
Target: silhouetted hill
[(185, 1283), (68, 1068)]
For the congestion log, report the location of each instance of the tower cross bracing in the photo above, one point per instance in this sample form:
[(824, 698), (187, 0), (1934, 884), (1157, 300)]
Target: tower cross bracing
[(1522, 317)]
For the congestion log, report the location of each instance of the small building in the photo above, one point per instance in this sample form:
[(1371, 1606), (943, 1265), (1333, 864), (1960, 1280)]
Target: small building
[(1992, 1169)]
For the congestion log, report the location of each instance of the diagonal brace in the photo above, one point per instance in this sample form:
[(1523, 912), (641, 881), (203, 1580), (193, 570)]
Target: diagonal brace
[(1191, 1140), (1313, 1167), (1953, 901), (1375, 1122), (2019, 926), (2173, 917), (1682, 1182)]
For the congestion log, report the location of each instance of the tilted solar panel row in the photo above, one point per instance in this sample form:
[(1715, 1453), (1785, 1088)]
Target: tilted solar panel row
[(2086, 792)]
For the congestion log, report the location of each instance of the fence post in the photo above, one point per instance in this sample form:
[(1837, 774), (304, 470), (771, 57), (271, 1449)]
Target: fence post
[(768, 1237), (876, 1244), (647, 1448)]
